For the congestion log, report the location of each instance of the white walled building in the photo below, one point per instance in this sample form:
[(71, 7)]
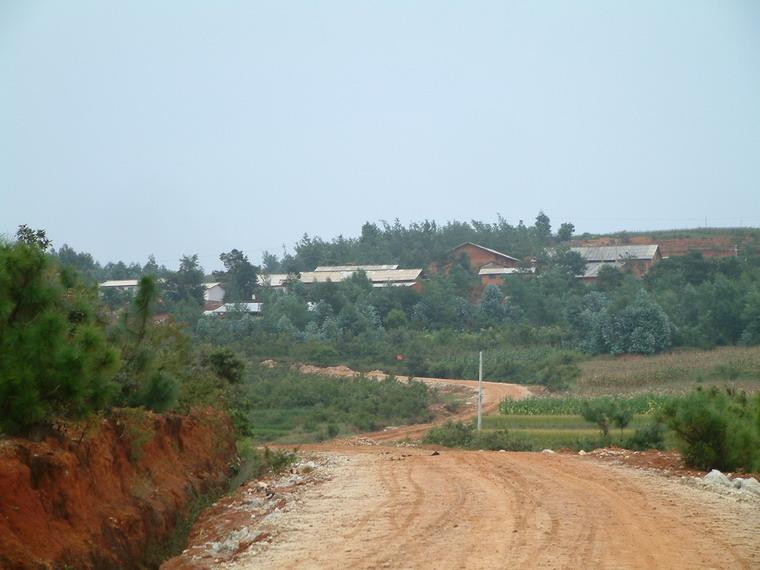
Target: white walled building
[(213, 292)]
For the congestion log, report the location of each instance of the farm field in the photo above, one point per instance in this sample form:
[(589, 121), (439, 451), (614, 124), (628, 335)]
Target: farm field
[(556, 432), (557, 422), (670, 373)]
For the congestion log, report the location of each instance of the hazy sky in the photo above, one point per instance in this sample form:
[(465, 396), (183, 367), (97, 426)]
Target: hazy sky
[(131, 128)]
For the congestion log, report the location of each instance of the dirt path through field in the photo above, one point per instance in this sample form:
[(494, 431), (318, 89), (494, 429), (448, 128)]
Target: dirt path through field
[(493, 394), (405, 508)]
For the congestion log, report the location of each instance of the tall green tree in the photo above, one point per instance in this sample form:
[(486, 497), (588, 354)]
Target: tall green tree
[(34, 238), (565, 231), (145, 379), (239, 277), (54, 358), (491, 311), (543, 227), (83, 263), (183, 290)]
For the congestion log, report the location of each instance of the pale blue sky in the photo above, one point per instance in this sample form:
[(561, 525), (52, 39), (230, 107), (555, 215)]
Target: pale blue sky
[(130, 128)]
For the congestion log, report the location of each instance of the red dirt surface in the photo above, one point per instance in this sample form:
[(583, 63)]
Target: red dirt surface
[(371, 502), (96, 500)]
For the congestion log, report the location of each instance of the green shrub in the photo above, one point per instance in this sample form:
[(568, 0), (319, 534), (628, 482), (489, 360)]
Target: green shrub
[(225, 364), (458, 434), (500, 439), (717, 429), (158, 392), (599, 412), (323, 355), (451, 434), (559, 373), (605, 412), (621, 415), (651, 436)]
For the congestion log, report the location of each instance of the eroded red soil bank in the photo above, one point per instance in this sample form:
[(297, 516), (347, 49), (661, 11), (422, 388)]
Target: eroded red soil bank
[(96, 500)]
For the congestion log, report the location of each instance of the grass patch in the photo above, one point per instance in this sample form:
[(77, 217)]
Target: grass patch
[(576, 439)]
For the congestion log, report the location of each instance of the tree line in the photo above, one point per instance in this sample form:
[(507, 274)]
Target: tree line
[(682, 301)]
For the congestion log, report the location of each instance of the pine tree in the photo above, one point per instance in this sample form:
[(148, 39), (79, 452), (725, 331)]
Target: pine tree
[(54, 358)]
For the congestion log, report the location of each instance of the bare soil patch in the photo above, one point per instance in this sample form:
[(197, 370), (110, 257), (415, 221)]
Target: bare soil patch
[(406, 508)]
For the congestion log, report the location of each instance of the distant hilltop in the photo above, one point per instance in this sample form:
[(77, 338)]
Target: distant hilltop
[(717, 242)]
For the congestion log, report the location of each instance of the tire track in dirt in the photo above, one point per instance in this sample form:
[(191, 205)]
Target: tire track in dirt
[(624, 518), (530, 538), (445, 511), (494, 510)]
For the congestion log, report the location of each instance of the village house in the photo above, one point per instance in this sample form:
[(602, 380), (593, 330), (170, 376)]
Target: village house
[(378, 275), (492, 266), (221, 309), (633, 259), (127, 285), (213, 292)]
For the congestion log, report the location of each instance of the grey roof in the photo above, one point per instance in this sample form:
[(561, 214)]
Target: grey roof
[(229, 307), (593, 267), (355, 267), (617, 252), (377, 277), (488, 249), (505, 270), (120, 283)]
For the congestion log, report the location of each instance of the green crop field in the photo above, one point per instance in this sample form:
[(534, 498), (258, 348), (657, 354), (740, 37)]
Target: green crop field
[(556, 422), (549, 422), (558, 431)]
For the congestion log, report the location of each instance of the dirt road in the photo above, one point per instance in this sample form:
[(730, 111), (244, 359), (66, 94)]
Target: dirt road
[(493, 394), (390, 507), (399, 508), (382, 506)]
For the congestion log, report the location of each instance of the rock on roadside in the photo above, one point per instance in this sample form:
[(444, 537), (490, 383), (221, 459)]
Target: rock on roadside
[(715, 477), (746, 485), (749, 485)]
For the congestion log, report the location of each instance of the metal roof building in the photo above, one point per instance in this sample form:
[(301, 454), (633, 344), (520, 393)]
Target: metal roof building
[(593, 267), (253, 308), (382, 276), (636, 259), (119, 283), (617, 252), (354, 268), (506, 270)]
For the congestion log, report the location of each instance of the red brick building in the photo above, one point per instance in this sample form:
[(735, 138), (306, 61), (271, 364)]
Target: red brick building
[(491, 266), (634, 259)]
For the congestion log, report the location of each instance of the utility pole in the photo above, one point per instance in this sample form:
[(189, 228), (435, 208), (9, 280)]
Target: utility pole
[(480, 390)]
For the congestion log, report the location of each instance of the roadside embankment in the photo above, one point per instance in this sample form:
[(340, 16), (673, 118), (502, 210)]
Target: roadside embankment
[(102, 496)]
